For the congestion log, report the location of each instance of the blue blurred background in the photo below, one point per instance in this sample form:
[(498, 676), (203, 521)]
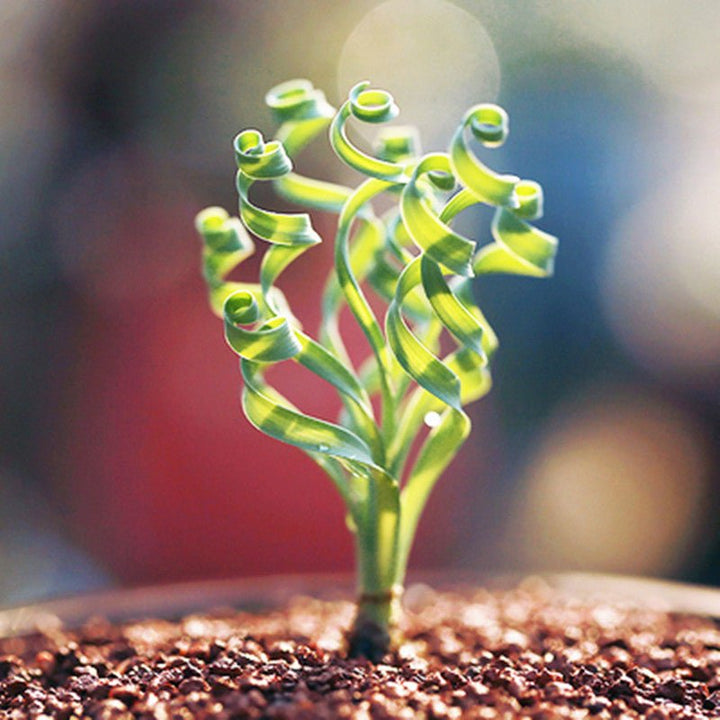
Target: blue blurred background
[(124, 457)]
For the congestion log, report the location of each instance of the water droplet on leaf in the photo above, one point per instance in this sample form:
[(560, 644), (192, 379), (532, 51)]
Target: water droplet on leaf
[(432, 419)]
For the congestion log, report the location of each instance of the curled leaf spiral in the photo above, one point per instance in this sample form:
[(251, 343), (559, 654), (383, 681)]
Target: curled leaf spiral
[(409, 256)]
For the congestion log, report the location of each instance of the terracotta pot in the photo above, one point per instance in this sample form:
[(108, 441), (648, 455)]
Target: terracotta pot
[(170, 601), (255, 594)]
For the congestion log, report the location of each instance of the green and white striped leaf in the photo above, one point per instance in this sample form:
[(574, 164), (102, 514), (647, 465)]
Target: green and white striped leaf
[(419, 267)]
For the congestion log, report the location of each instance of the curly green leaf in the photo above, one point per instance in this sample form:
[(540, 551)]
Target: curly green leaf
[(449, 309), (271, 414), (371, 106), (414, 357), (519, 247), (273, 341), (489, 124), (303, 114), (424, 226)]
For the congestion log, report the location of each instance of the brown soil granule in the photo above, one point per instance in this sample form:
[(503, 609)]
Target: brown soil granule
[(526, 653)]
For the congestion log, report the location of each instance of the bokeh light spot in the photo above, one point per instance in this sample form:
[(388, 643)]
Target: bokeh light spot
[(617, 484), (662, 277), (435, 59)]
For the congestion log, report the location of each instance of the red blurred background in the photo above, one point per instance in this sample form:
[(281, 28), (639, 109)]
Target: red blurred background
[(125, 457)]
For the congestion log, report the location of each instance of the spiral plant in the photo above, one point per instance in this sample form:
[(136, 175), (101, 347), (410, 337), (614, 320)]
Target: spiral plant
[(421, 269)]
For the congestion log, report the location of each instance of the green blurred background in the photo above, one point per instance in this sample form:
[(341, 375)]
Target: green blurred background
[(124, 457)]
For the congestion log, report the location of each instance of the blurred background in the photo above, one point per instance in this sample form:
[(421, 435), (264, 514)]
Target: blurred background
[(124, 456)]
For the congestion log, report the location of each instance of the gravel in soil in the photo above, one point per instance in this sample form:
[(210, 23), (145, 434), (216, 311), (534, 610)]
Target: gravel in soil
[(524, 653)]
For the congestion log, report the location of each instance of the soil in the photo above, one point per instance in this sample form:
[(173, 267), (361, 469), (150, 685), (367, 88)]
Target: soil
[(525, 653)]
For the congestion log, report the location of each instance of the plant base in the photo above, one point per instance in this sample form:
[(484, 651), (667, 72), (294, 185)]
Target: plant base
[(377, 624), (368, 640)]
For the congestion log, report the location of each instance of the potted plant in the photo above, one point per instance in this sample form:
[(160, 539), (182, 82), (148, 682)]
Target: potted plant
[(537, 649), (414, 262)]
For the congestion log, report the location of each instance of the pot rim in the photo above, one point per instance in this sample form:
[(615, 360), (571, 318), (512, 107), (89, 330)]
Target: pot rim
[(253, 594)]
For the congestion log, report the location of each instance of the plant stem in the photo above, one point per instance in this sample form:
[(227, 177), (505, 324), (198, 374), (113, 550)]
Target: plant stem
[(377, 549), (376, 623)]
